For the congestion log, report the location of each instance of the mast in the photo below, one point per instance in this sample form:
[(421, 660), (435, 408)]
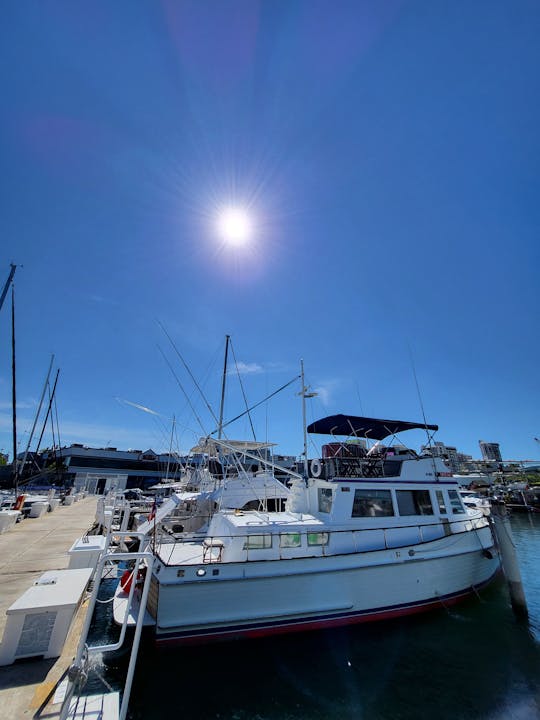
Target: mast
[(23, 464), (13, 390), (304, 425), (170, 449), (6, 286), (223, 381), (305, 394)]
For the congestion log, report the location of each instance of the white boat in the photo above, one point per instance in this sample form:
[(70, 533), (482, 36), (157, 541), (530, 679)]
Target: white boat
[(8, 518), (229, 486), (367, 535), (472, 499)]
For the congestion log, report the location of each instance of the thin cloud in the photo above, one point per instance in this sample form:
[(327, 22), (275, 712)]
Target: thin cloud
[(243, 368), (102, 300), (254, 368), (21, 405), (326, 391)]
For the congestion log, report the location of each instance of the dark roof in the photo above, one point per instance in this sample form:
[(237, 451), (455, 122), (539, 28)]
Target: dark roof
[(363, 426)]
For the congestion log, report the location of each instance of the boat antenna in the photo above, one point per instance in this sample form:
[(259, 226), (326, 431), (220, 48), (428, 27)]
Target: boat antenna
[(223, 383), (243, 392)]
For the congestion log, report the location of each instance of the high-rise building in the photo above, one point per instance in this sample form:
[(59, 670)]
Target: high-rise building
[(490, 451), (446, 452)]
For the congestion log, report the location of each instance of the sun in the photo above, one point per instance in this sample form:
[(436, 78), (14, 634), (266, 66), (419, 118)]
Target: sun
[(235, 226)]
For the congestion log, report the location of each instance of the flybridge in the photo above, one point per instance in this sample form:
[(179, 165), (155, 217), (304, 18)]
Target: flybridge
[(371, 428)]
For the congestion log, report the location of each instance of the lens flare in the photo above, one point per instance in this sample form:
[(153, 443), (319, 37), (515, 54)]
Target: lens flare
[(234, 226)]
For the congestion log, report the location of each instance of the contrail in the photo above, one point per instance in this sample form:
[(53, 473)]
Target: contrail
[(139, 407)]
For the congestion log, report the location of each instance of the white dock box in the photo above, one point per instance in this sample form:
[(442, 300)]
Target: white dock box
[(85, 552), (38, 622)]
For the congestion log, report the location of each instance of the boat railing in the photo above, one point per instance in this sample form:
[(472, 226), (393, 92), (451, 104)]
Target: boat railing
[(323, 541), (77, 673)]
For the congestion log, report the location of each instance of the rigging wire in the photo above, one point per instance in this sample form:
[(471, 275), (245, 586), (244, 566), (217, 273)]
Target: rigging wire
[(297, 377), (184, 391), (186, 366)]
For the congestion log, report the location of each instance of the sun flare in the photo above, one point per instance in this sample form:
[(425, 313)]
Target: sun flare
[(234, 226)]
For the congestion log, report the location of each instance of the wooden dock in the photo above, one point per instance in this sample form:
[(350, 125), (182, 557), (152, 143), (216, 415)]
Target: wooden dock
[(28, 550)]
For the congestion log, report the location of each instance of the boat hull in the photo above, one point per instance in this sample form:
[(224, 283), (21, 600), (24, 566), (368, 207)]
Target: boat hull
[(322, 592)]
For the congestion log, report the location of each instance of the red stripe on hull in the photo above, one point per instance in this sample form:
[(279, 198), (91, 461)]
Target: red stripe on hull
[(306, 625)]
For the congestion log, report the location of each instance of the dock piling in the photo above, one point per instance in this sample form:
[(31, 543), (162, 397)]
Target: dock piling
[(503, 534)]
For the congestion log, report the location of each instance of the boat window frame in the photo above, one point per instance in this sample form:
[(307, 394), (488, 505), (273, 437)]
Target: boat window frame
[(455, 502), (441, 502), (323, 538), (325, 496), (284, 543), (361, 494), (417, 505), (265, 544)]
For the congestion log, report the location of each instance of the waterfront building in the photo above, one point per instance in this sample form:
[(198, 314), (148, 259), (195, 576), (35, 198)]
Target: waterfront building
[(102, 469)]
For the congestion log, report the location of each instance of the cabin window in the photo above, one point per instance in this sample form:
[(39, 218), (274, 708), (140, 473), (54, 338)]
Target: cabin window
[(372, 503), (319, 538), (441, 502), (290, 540), (414, 502), (325, 500), (455, 502), (258, 542)]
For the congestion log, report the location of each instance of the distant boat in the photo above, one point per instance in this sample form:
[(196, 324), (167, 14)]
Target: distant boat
[(368, 534)]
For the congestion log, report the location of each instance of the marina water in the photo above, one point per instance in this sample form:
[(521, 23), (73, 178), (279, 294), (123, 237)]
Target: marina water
[(472, 661)]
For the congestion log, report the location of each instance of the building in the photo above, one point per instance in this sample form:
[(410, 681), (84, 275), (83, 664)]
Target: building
[(446, 452), (490, 451), (102, 469)]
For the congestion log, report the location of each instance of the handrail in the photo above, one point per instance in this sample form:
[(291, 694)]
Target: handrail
[(76, 671), (200, 538)]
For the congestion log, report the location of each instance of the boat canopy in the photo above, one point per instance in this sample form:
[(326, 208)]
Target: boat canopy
[(370, 428)]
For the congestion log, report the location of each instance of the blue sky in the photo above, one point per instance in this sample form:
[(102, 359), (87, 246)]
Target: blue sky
[(388, 153)]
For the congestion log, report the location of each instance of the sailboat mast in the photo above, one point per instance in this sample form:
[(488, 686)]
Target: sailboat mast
[(170, 449), (14, 393), (305, 394), (223, 382), (304, 424), (6, 286), (23, 464)]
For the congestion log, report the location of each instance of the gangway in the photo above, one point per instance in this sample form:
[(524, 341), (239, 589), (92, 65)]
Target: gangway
[(78, 671)]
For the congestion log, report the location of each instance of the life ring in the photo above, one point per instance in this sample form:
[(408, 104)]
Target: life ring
[(316, 468)]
